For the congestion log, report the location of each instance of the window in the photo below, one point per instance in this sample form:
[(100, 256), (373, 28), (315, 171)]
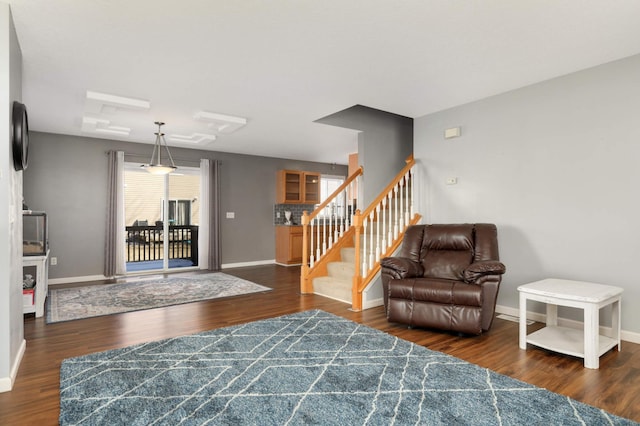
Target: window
[(328, 184), (180, 212)]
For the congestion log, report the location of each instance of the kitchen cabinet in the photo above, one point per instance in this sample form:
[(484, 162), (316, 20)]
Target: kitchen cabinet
[(288, 245), (289, 242), (297, 187)]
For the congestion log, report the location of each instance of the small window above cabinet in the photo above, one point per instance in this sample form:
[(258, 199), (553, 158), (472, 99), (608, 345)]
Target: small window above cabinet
[(298, 187)]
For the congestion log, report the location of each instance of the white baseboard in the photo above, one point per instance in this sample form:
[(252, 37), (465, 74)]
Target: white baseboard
[(6, 383), (243, 264), (69, 280), (628, 336)]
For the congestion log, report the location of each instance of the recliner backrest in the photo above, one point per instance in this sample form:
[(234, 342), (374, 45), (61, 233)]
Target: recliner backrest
[(486, 247), (447, 250)]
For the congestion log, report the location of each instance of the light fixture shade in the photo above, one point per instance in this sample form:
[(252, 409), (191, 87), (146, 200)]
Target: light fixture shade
[(155, 166), (159, 170)]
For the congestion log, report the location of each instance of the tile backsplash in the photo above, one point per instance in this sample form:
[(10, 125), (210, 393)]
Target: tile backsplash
[(295, 209)]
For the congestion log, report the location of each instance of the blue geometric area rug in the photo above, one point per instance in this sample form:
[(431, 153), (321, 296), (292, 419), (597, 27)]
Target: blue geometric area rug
[(306, 368), (95, 300)]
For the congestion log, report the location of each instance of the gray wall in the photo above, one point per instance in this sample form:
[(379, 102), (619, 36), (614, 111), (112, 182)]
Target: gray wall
[(11, 319), (67, 179), (555, 166), (384, 143)]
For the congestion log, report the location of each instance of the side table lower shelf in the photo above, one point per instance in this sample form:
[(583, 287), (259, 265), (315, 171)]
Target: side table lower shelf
[(569, 341)]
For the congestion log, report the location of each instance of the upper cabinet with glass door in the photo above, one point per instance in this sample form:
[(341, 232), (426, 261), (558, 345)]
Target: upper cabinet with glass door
[(297, 187), (311, 188)]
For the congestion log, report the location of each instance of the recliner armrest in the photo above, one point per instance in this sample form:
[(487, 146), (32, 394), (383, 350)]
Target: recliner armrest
[(482, 268), (402, 267)]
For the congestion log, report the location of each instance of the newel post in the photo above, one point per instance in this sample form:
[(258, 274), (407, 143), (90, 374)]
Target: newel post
[(356, 295), (305, 284)]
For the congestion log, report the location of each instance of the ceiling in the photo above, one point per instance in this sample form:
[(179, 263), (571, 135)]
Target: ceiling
[(281, 65)]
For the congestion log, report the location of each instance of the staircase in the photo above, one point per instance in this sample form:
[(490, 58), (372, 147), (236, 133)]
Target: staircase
[(345, 249)]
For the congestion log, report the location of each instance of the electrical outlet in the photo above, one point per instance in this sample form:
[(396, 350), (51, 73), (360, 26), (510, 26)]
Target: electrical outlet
[(54, 261)]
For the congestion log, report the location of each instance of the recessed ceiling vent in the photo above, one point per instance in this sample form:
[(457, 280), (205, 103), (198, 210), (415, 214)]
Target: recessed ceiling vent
[(103, 113), (104, 103), (98, 125), (220, 123), (195, 138)]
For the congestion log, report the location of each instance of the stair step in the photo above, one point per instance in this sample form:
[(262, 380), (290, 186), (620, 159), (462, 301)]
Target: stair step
[(342, 270), (348, 254), (333, 288)]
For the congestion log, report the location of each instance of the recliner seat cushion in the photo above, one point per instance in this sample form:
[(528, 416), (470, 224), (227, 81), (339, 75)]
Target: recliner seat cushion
[(444, 292)]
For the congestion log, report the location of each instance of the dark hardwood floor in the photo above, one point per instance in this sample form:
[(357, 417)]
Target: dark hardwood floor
[(615, 387)]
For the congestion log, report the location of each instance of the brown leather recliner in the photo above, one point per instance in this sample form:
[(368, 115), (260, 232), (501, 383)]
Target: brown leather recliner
[(445, 277)]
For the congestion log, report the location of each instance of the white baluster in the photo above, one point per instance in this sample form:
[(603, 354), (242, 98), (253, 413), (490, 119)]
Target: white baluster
[(395, 208), (413, 191), (343, 228), (310, 230), (384, 223), (351, 209), (372, 249), (324, 234), (407, 218), (401, 184), (318, 242), (344, 213), (390, 227), (364, 247), (336, 223), (377, 232), (329, 226)]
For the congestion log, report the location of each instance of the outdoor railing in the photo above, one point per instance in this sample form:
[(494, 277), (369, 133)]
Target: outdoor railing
[(147, 243)]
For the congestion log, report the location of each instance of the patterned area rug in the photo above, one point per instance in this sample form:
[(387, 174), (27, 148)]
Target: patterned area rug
[(307, 368), (91, 301)]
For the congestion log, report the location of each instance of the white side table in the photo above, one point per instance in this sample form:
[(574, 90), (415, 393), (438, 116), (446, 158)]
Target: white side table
[(588, 344), (42, 281)]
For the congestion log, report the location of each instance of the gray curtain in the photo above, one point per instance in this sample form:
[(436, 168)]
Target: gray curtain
[(214, 215), (114, 262)]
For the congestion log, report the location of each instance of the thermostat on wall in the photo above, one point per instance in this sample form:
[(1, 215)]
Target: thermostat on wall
[(453, 132)]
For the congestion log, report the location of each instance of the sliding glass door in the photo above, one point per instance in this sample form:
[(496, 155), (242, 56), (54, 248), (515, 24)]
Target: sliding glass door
[(161, 217)]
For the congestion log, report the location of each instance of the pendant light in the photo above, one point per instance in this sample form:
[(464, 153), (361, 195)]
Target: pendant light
[(155, 166)]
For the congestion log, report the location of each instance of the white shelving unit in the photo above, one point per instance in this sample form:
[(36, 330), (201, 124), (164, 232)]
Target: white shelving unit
[(42, 282)]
